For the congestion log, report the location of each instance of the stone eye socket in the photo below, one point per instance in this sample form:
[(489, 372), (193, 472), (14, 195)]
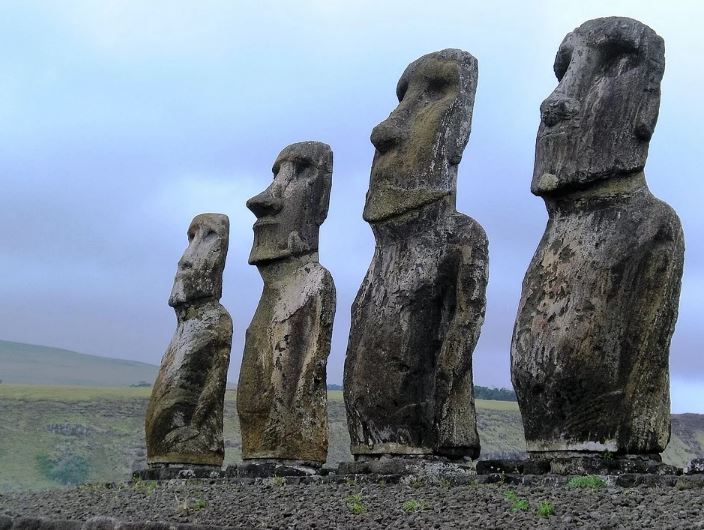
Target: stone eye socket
[(437, 87), (562, 62), (302, 164), (617, 57)]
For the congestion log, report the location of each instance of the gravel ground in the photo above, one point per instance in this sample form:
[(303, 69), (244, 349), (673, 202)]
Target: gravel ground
[(270, 504)]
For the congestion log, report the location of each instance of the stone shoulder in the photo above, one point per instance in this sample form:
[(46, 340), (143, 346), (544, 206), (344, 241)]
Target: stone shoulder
[(466, 230), (666, 218)]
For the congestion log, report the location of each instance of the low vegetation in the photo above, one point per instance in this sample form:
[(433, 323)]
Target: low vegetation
[(517, 503), (413, 505), (545, 509), (57, 436), (354, 504), (588, 481)]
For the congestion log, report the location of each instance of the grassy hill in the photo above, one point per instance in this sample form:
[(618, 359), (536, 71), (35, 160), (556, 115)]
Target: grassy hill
[(42, 365), (52, 436)]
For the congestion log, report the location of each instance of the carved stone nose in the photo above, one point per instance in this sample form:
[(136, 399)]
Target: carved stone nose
[(558, 109), (264, 204), (386, 136)]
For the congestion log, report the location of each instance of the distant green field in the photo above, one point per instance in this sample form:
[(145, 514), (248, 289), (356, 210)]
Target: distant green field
[(42, 365), (53, 434)]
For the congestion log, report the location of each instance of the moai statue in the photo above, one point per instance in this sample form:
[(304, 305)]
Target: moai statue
[(591, 340), (184, 421), (282, 391), (417, 316)]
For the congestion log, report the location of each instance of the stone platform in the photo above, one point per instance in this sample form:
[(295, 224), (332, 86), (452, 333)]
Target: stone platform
[(625, 472), (591, 464)]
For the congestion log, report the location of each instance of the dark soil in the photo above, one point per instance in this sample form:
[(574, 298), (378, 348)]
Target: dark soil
[(414, 504)]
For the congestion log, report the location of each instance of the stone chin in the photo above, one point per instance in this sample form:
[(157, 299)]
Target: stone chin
[(265, 252), (180, 293), (387, 202)]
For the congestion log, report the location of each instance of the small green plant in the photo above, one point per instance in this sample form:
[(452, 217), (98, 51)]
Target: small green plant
[(417, 483), (200, 504), (147, 487), (588, 481), (412, 505), (607, 456), (545, 509), (278, 481), (445, 483), (354, 504), (516, 502), (351, 481)]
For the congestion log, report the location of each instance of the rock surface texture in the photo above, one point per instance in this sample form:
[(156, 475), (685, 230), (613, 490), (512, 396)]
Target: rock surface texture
[(591, 341), (417, 316), (282, 393), (184, 420)]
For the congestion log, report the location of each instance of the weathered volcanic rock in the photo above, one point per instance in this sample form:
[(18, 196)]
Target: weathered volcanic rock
[(417, 316), (184, 421), (591, 341), (282, 393)]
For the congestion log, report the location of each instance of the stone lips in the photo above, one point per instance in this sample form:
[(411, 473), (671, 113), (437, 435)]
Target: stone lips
[(282, 393), (417, 315), (590, 347), (184, 420)]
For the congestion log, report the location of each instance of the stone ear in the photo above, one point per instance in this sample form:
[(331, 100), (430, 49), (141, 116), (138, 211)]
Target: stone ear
[(324, 199), (325, 170), (647, 118)]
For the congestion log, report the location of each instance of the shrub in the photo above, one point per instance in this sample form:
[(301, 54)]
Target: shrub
[(67, 470), (413, 505), (587, 481), (516, 502), (354, 504), (545, 509)]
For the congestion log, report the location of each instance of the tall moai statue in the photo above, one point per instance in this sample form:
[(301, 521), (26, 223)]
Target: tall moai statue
[(282, 391), (417, 316), (184, 421), (591, 341)]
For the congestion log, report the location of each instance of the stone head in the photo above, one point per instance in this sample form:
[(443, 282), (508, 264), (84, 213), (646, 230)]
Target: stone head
[(290, 211), (598, 122), (420, 144), (200, 269)]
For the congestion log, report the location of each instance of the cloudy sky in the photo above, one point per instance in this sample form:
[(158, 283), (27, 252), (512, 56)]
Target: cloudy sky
[(121, 120)]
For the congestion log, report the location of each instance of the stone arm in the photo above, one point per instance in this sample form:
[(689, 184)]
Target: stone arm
[(651, 326), (454, 399), (210, 400)]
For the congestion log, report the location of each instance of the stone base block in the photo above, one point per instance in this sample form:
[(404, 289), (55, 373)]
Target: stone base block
[(170, 472), (580, 465), (695, 467), (275, 468), (406, 465)]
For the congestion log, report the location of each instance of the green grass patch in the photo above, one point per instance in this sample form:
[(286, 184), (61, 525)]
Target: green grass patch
[(545, 509), (588, 481), (517, 503), (354, 504), (413, 505)]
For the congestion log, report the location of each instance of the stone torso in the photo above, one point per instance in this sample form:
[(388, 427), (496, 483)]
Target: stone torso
[(400, 321), (591, 340), (185, 415), (282, 394)]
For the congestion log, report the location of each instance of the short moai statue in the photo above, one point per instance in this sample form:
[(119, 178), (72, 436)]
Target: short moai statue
[(184, 421), (590, 348), (282, 390), (418, 313)]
